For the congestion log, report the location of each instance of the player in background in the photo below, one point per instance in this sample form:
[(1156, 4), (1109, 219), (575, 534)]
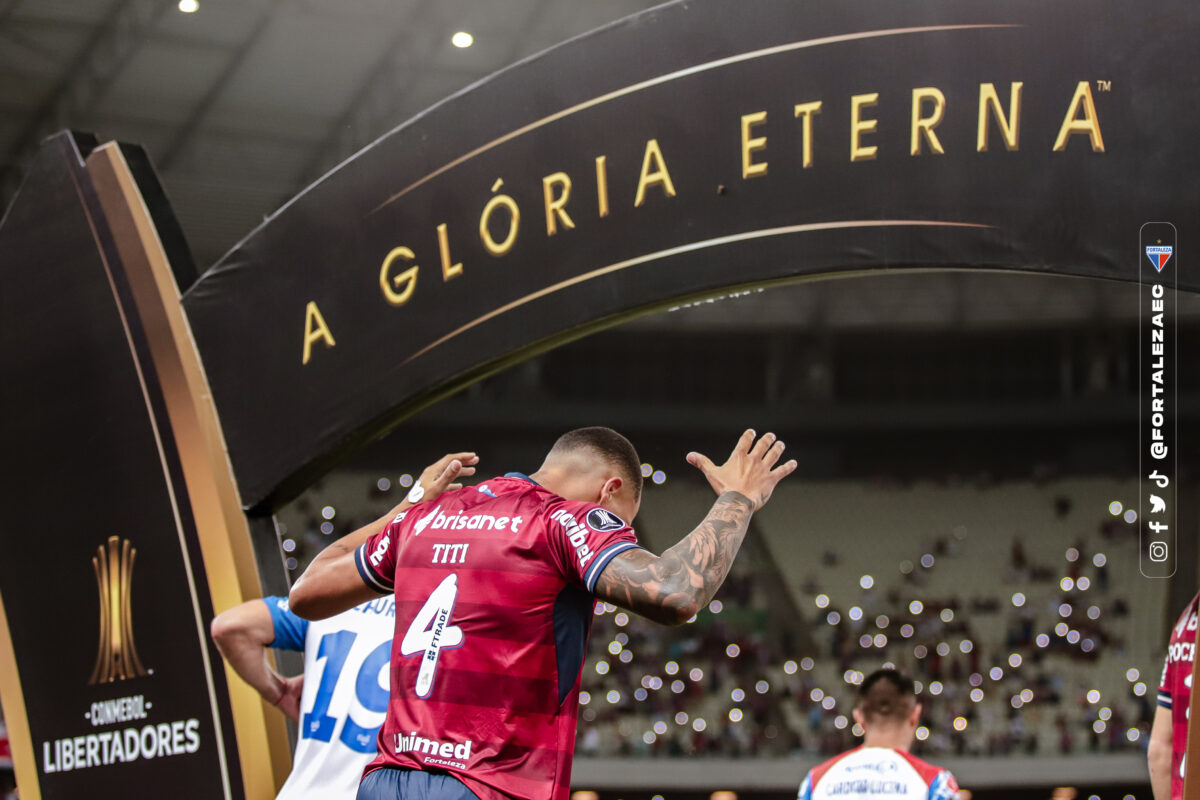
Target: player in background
[(495, 587), (340, 699), (881, 767), (1168, 735)]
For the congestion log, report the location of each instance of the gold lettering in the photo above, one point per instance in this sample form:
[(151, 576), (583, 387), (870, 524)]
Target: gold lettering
[(391, 284), (659, 174), (1090, 124), (555, 206), (806, 110), (1010, 124), (315, 330), (449, 270), (750, 168), (860, 126), (922, 127), (514, 221), (602, 186)]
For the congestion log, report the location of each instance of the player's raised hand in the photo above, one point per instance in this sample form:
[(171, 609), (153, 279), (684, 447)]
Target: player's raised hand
[(750, 469), (441, 475)]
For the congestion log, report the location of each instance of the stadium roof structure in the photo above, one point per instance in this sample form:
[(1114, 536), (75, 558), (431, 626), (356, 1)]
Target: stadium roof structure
[(242, 103)]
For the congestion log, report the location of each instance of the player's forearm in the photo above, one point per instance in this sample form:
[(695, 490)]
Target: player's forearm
[(331, 584), (1159, 761), (248, 657), (705, 556), (346, 545), (674, 586), (1160, 780), (1158, 753)]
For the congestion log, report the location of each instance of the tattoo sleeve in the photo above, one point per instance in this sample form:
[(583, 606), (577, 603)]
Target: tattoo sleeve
[(672, 587)]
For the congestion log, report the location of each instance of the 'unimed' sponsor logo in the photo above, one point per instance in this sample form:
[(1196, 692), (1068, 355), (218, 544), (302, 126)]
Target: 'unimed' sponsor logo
[(435, 751)]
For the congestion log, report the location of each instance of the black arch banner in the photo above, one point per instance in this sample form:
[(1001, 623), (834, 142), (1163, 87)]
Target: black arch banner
[(695, 148)]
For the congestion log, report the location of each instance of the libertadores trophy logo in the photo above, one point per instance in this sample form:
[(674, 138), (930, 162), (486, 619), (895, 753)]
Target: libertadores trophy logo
[(116, 656)]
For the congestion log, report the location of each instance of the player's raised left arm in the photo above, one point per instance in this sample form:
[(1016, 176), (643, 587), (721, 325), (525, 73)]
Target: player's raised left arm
[(332, 583), (672, 587)]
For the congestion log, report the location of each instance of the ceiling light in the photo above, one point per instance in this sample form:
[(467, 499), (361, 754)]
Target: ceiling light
[(460, 39), (189, 6)]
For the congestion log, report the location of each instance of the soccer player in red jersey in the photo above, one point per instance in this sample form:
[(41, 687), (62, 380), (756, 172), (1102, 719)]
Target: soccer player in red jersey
[(1168, 734), (495, 586)]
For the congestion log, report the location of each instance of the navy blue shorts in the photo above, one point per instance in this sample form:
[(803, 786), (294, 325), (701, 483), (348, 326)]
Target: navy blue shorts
[(389, 783)]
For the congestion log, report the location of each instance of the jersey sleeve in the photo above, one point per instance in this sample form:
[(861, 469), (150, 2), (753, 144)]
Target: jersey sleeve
[(376, 558), (290, 629), (806, 788), (1165, 698), (944, 787), (583, 539)]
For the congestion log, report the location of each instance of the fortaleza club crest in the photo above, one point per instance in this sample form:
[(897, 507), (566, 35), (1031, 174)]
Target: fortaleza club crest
[(116, 655), (1159, 254)]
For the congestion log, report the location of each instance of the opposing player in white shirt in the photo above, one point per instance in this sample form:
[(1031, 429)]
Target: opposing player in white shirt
[(340, 700), (882, 767)]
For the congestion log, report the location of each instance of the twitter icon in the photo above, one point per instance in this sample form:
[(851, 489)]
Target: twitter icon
[(1157, 505)]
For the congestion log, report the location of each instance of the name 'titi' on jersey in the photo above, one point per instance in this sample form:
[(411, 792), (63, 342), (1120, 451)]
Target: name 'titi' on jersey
[(344, 698), (493, 588), (1175, 690), (878, 772)]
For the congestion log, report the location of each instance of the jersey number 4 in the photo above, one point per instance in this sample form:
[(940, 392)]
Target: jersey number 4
[(431, 632)]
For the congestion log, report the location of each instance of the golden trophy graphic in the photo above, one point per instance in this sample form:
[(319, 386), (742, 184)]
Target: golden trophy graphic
[(116, 656)]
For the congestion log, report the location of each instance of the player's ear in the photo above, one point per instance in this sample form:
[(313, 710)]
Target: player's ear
[(858, 716), (609, 489), (914, 717)]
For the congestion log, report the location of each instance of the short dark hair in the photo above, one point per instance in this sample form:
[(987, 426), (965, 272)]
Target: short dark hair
[(887, 694), (609, 445)]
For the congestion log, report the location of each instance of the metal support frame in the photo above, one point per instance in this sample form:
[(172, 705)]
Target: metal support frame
[(371, 106), (187, 130), (7, 7), (85, 80)]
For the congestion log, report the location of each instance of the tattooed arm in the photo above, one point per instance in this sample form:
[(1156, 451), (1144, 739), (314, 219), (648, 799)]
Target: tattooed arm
[(672, 587), (331, 584)]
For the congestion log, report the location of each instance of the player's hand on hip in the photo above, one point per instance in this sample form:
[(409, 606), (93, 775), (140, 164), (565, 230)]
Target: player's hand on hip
[(289, 700), (443, 474), (750, 469)]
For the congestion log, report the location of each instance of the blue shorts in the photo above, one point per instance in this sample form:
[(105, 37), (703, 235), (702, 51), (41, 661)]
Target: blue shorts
[(390, 783)]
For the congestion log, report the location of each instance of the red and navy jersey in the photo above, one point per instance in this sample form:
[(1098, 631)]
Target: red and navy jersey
[(493, 587), (1175, 690), (877, 773)]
